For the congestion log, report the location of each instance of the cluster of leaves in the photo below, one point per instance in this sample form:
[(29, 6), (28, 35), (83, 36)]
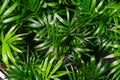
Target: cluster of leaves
[(40, 37), (88, 71)]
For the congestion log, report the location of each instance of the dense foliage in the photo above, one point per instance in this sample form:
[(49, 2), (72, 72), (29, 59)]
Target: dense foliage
[(60, 39)]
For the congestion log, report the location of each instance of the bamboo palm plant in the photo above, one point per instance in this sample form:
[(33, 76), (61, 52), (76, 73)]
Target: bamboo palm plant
[(39, 38)]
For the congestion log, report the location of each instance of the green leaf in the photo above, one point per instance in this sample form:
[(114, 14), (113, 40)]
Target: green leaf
[(37, 7), (15, 48), (69, 74), (15, 38), (56, 66), (43, 45), (114, 69), (116, 75), (5, 4), (9, 10), (2, 36), (73, 73), (59, 74), (92, 62), (68, 16), (10, 33), (14, 18), (99, 6), (49, 67), (8, 51), (4, 55), (45, 63), (93, 4), (60, 19)]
